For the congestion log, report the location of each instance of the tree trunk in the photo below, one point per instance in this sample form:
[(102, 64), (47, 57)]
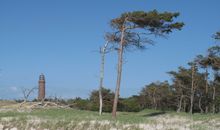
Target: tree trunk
[(100, 102), (119, 72), (154, 100), (192, 90), (101, 80), (213, 98), (200, 105), (206, 91), (180, 104), (184, 105), (191, 101), (102, 51)]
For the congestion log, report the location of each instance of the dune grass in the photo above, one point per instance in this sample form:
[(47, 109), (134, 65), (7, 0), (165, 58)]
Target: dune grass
[(80, 120)]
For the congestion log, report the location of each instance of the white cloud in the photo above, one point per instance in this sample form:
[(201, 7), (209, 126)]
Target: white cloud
[(13, 88)]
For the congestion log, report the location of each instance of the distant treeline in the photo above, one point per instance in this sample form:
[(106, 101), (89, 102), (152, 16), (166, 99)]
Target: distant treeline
[(195, 88)]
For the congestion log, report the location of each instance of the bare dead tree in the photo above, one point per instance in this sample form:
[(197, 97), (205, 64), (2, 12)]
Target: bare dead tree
[(103, 51), (26, 94)]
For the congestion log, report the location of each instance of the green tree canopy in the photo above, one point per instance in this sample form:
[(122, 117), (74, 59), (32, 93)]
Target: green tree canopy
[(139, 25), (217, 35)]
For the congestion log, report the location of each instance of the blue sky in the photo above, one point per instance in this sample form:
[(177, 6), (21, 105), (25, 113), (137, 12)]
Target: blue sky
[(60, 38)]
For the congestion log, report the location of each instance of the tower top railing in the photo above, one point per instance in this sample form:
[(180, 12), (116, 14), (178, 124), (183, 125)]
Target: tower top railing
[(42, 77)]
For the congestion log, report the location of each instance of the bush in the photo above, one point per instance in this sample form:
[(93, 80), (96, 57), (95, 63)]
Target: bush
[(78, 103), (130, 104)]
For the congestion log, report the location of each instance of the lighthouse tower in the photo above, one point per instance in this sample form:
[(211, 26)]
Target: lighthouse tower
[(41, 87)]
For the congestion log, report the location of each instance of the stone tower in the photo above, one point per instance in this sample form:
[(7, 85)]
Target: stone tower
[(41, 87)]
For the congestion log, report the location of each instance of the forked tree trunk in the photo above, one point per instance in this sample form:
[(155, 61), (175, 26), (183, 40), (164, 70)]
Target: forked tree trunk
[(119, 72), (180, 104)]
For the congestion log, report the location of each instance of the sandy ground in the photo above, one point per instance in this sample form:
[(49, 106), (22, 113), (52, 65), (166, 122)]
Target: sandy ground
[(163, 122)]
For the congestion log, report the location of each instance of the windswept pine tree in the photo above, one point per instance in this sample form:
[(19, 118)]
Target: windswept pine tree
[(132, 30)]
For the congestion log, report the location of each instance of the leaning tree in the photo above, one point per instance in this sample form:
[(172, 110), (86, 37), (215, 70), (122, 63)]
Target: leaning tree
[(133, 30)]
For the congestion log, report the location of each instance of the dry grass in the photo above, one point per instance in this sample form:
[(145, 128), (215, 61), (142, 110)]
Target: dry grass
[(71, 119)]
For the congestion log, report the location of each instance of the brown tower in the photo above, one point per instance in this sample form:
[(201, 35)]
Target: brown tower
[(41, 87)]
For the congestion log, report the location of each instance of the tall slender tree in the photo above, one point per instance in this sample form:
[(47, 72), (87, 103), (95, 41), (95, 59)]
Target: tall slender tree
[(214, 54), (133, 30), (193, 84), (102, 52), (204, 63)]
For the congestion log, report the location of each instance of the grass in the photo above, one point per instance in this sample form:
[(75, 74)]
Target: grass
[(70, 119), (73, 114)]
